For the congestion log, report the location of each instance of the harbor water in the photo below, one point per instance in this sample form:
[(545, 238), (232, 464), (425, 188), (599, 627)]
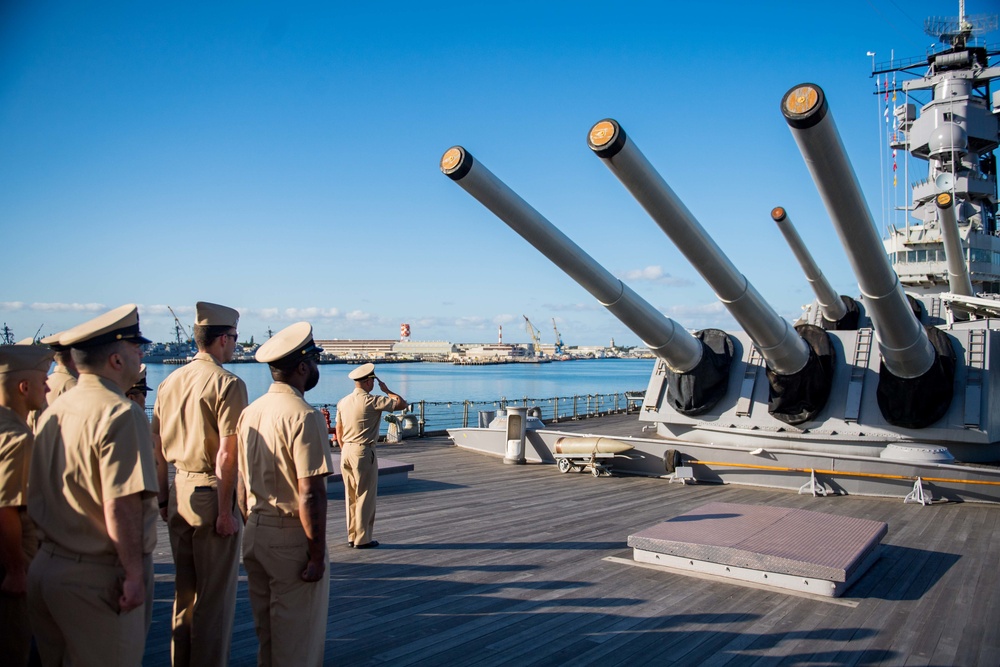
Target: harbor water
[(452, 396)]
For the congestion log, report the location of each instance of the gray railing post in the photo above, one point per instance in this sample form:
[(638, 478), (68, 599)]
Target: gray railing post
[(465, 414), (575, 401), (555, 410), (420, 422)]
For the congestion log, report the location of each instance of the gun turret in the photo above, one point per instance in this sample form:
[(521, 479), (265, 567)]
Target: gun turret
[(917, 371), (800, 372), (839, 312), (959, 281), (699, 365)]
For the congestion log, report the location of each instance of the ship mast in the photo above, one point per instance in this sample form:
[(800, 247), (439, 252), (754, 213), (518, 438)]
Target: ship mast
[(955, 132)]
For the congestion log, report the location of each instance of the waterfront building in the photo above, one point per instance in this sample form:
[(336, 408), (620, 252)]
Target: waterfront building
[(357, 348), (424, 348)]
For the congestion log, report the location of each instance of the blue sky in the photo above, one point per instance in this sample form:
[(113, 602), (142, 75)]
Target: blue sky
[(282, 158)]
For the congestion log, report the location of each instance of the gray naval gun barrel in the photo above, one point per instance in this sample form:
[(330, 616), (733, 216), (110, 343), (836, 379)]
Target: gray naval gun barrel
[(799, 360), (917, 364), (839, 312), (959, 281), (699, 370)]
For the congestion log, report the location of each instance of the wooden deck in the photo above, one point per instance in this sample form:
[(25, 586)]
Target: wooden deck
[(483, 563)]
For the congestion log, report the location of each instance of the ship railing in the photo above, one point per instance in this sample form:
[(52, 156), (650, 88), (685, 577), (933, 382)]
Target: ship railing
[(435, 417)]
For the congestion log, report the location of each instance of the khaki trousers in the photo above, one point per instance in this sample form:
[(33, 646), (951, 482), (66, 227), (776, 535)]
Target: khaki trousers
[(359, 467), (289, 614), (73, 605), (207, 566)]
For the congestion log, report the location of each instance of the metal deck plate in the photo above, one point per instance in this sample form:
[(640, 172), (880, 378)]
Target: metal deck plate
[(777, 544)]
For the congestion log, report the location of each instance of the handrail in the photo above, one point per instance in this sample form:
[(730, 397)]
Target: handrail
[(438, 416)]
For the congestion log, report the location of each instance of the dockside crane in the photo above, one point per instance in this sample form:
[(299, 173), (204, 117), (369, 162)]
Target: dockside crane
[(535, 336), (559, 343), (179, 329)]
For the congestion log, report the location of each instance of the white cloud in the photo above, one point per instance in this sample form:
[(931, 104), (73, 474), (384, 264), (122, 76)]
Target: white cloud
[(361, 317), (711, 308), (471, 322), (573, 307), (653, 274), (506, 319), (162, 309), (312, 313), (54, 307)]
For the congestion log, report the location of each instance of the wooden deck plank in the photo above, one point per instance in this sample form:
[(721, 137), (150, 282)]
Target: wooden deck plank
[(490, 564)]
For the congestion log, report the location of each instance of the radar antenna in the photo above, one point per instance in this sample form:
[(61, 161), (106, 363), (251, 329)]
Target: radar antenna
[(956, 32)]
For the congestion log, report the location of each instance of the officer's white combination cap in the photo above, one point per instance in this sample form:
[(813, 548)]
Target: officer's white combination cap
[(122, 323), (295, 341), (361, 372)]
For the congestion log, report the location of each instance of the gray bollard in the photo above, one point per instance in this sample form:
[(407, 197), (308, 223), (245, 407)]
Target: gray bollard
[(516, 423)]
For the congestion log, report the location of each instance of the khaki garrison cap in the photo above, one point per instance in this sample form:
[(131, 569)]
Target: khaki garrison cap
[(53, 342), (19, 357), (214, 315), (363, 371), (122, 323), (295, 341)]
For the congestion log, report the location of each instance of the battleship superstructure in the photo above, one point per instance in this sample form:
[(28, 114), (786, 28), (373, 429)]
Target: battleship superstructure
[(955, 132), (878, 394)]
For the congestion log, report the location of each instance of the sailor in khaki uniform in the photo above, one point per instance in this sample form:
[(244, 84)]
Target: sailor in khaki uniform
[(22, 389), (60, 380), (194, 428), (92, 495), (284, 460), (138, 391), (64, 374), (358, 416)]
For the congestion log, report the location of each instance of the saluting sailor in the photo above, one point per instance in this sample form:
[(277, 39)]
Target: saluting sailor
[(284, 460), (358, 416), (22, 389), (92, 495), (194, 423)]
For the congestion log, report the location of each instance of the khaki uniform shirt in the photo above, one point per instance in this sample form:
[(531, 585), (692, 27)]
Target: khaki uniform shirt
[(358, 413), (282, 439), (91, 446), (16, 442), (196, 406), (60, 381)]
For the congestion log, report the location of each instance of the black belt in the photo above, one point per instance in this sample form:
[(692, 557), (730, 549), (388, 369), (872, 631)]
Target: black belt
[(275, 521)]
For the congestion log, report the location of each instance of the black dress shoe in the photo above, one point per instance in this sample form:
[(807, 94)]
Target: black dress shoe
[(367, 545), (350, 544)]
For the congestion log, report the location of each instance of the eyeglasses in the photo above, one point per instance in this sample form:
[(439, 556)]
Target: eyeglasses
[(235, 337)]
